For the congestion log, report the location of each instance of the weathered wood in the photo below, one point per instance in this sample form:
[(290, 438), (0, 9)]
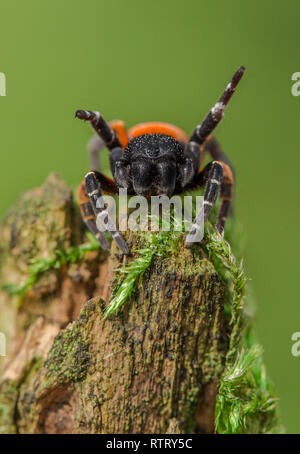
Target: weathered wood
[(154, 367)]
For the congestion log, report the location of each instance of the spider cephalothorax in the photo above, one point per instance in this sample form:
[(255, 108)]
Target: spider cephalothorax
[(154, 164), (158, 159)]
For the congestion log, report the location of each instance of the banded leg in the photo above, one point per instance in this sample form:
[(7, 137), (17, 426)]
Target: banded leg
[(94, 192), (226, 196), (215, 150), (212, 177), (106, 133), (88, 216), (96, 144), (216, 114), (217, 154)]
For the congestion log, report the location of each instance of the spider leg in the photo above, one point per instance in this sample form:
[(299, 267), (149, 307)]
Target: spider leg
[(105, 132), (195, 153), (215, 150), (93, 183), (201, 139), (216, 175), (96, 144), (226, 196), (212, 177), (88, 216), (216, 114)]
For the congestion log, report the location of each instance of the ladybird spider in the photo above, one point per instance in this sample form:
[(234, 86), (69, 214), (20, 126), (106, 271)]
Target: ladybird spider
[(157, 158)]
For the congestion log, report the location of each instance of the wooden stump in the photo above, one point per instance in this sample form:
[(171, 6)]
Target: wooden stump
[(154, 367)]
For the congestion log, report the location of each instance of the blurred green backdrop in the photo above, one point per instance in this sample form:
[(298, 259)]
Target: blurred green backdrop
[(169, 60)]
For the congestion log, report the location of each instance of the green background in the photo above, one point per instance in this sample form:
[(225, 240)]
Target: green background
[(169, 60)]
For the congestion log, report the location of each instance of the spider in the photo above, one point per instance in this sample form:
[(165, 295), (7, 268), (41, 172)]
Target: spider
[(157, 158)]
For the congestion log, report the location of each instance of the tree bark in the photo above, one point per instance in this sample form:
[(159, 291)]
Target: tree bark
[(154, 367)]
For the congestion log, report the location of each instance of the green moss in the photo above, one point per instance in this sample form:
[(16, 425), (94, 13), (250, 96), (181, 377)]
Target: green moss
[(8, 398), (9, 395), (162, 245), (40, 266), (122, 290), (69, 357), (231, 272), (156, 244), (246, 401)]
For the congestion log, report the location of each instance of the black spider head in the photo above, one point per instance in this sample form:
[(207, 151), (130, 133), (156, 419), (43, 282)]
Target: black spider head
[(152, 162)]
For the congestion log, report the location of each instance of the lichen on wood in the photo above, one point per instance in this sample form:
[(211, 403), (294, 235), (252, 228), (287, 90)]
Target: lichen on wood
[(160, 364)]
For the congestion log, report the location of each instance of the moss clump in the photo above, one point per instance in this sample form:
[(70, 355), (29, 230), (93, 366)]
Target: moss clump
[(9, 395), (69, 357), (8, 399), (246, 401), (41, 265), (231, 272), (160, 244)]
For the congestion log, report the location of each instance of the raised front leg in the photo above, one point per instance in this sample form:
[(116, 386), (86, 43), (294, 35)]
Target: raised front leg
[(216, 114), (105, 132)]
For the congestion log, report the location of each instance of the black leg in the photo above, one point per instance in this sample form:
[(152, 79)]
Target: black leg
[(217, 154), (215, 150), (226, 196), (212, 177), (101, 127), (94, 147), (215, 115), (89, 218), (195, 153), (93, 188), (106, 133)]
